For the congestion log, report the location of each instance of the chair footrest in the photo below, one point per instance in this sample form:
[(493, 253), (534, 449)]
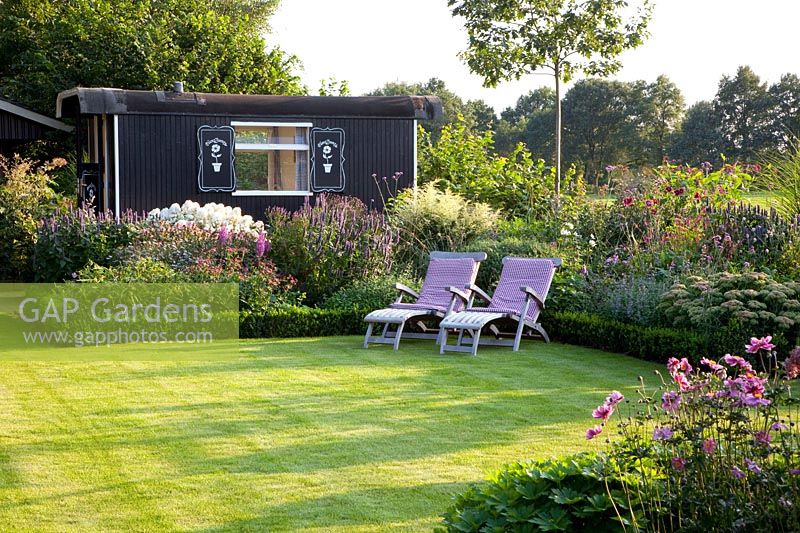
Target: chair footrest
[(397, 316), (470, 320)]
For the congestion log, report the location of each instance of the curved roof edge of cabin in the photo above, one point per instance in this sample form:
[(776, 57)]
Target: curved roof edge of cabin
[(99, 101)]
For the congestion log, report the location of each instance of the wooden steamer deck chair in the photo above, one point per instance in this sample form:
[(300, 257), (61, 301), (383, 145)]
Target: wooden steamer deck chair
[(519, 297), (445, 290)]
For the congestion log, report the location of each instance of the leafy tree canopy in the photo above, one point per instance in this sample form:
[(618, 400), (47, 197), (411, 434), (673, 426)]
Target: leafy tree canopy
[(475, 114), (742, 107), (785, 112), (597, 122), (659, 109), (541, 99), (212, 45), (700, 139), (530, 121)]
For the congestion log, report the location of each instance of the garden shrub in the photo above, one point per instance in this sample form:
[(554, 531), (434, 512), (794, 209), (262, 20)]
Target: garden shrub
[(66, 243), (743, 236), (201, 255), (371, 293), (143, 270), (671, 220), (26, 197), (789, 264), (582, 492), (329, 244), (261, 286), (752, 301), (285, 322), (465, 163), (721, 444), (631, 298), (428, 219), (182, 246)]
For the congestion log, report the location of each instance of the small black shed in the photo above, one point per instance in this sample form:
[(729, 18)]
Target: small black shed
[(141, 150), (20, 125)]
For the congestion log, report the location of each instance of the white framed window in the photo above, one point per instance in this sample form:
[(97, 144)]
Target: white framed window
[(272, 158)]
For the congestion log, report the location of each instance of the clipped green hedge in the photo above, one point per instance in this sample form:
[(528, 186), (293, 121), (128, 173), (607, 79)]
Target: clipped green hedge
[(649, 343), (302, 322), (643, 342)]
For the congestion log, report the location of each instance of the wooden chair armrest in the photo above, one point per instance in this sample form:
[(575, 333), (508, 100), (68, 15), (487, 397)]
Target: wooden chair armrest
[(533, 294), (464, 295), (403, 289), (477, 290)]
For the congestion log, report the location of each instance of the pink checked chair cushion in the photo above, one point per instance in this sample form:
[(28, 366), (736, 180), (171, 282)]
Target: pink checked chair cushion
[(520, 272), (443, 274)]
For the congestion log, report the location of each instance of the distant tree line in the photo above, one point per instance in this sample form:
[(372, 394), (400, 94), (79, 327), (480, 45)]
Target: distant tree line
[(635, 123)]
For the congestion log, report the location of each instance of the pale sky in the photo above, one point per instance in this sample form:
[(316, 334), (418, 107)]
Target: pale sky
[(371, 42)]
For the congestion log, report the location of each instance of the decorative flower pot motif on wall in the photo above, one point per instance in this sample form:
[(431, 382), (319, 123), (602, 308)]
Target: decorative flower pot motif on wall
[(327, 159), (326, 155), (215, 171), (215, 153)]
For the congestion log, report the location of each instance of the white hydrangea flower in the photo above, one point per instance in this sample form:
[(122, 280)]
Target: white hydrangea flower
[(211, 217)]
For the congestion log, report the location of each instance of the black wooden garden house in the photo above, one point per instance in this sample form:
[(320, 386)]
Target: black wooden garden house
[(142, 150)]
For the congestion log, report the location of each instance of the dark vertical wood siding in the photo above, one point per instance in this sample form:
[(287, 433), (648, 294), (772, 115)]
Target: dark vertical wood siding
[(158, 160), (14, 128)]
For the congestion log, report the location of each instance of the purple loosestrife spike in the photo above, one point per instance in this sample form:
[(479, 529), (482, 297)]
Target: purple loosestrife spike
[(709, 446), (261, 244)]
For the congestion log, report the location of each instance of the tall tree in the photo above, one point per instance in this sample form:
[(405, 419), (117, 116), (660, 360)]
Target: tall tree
[(742, 106), (661, 110), (512, 38), (785, 111), (700, 139), (540, 99), (597, 125), (530, 121), (213, 45)]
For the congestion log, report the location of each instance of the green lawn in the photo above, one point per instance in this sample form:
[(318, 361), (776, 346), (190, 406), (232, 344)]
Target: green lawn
[(309, 434), (765, 199)]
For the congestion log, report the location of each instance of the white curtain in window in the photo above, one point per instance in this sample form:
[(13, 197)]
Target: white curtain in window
[(301, 166)]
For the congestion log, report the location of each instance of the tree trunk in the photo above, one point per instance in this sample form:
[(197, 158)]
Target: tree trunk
[(557, 71)]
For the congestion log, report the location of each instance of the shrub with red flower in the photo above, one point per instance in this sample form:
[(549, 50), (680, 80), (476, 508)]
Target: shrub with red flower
[(670, 214)]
